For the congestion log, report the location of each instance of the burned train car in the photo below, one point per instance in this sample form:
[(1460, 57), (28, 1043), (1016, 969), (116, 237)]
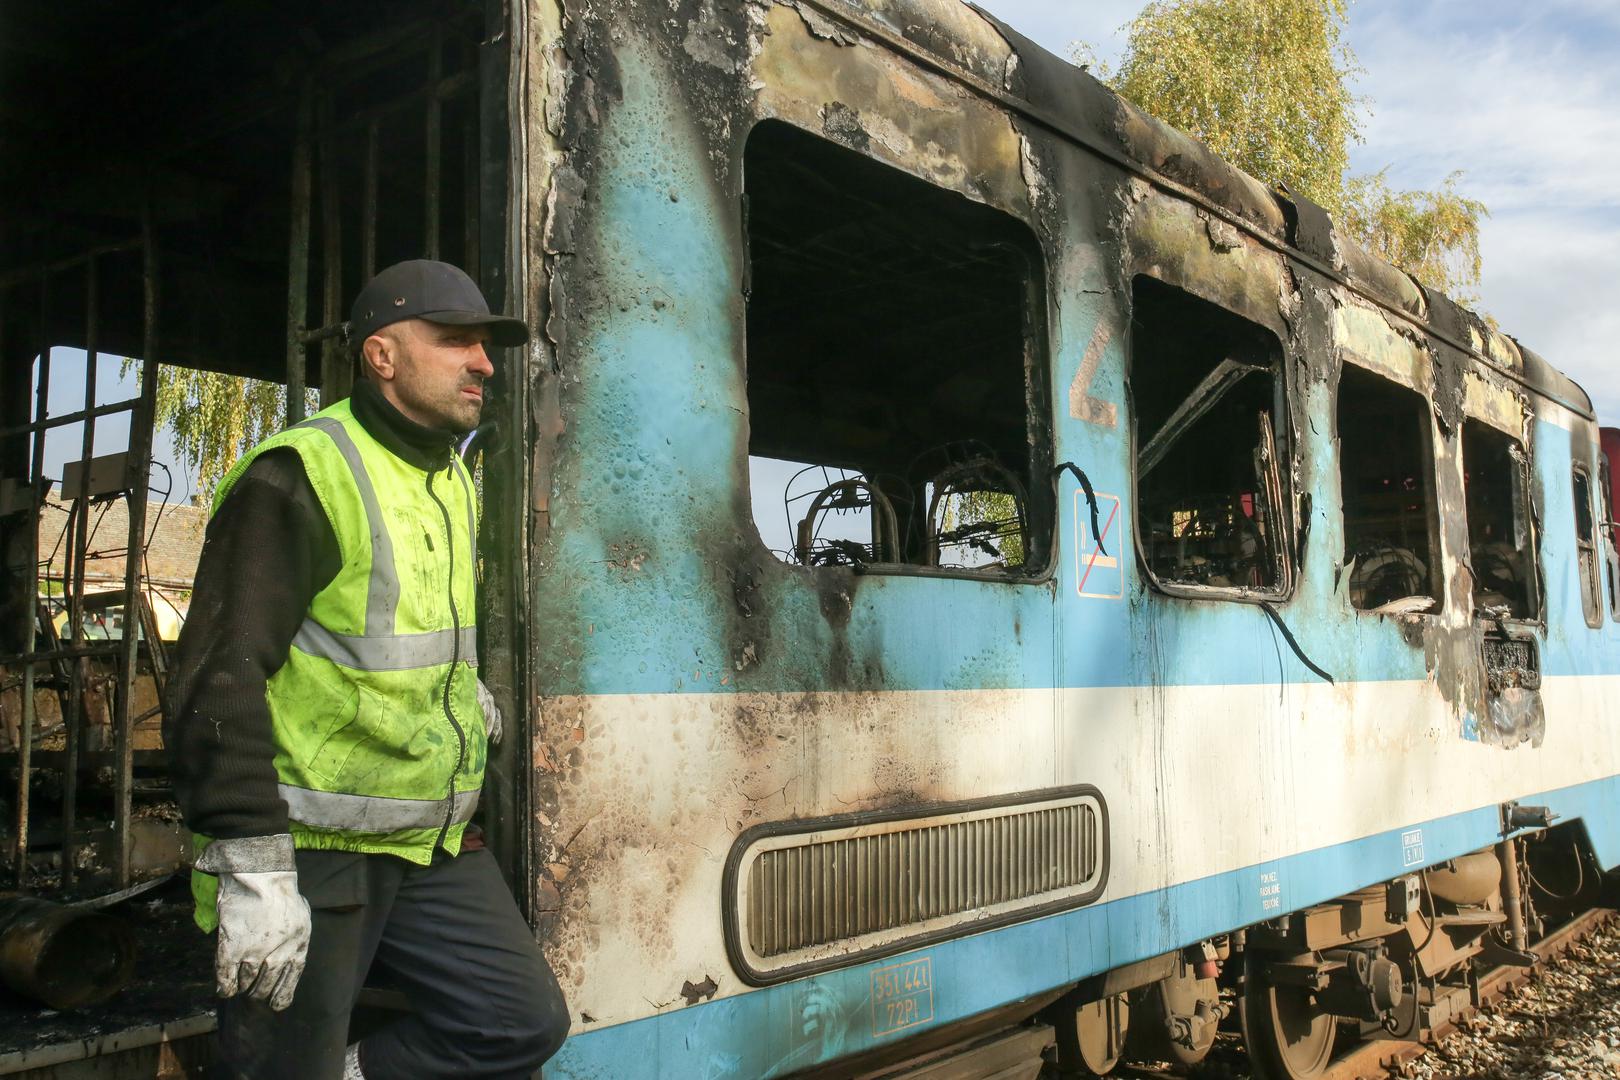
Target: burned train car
[(1162, 566), (977, 573)]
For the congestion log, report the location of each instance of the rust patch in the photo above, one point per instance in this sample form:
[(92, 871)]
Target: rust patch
[(700, 991)]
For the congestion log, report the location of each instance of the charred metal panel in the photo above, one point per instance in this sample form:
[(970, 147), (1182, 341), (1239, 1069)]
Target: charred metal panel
[(649, 579), (1183, 246)]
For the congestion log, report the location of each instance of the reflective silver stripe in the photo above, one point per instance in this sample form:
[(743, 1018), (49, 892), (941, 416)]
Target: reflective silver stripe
[(386, 652), (382, 591), (472, 527), (373, 813)]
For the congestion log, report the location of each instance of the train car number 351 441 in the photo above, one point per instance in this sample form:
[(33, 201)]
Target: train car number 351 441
[(902, 996)]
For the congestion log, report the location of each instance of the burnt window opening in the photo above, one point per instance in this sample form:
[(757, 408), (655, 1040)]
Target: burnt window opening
[(1386, 477), (1586, 551), (817, 515), (1501, 543), (1208, 409), (894, 357)]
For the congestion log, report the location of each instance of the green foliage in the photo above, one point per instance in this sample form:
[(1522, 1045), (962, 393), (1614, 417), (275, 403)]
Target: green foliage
[(988, 518), (1432, 235), (216, 418), (1264, 83)]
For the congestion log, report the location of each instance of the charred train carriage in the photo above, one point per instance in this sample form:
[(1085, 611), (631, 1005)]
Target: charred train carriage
[(986, 736), (977, 574)]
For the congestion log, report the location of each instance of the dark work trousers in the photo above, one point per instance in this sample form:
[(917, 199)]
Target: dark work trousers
[(484, 1003)]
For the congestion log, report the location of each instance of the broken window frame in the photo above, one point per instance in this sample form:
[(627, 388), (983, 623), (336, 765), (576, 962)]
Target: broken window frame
[(1586, 551), (1035, 493), (1274, 447), (1525, 522), (1606, 527), (1427, 468)]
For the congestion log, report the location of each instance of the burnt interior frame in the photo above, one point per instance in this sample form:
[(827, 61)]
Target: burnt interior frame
[(1509, 493), (797, 226), (1606, 527), (1586, 544), (1261, 336), (235, 172), (1419, 423)]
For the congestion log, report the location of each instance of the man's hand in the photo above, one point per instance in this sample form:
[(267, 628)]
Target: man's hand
[(263, 936), (494, 726), (263, 919)]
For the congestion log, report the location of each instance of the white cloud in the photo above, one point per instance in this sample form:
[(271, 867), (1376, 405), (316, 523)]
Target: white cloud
[(1550, 279), (1527, 103), (1530, 118)]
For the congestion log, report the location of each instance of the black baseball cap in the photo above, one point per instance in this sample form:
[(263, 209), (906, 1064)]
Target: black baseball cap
[(434, 291)]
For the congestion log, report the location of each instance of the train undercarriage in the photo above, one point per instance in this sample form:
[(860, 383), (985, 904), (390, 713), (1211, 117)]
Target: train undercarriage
[(1345, 987)]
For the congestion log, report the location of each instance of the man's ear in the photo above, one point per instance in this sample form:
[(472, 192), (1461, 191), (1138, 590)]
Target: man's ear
[(377, 355)]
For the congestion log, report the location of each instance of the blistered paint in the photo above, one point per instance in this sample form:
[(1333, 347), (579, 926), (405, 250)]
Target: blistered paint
[(1368, 338)]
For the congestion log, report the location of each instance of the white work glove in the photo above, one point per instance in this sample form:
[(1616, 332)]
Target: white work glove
[(263, 919), (494, 726)]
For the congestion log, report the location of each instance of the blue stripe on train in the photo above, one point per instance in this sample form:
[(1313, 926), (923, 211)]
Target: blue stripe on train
[(934, 634), (775, 1031)]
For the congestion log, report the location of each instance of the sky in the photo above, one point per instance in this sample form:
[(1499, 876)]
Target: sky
[(113, 385), (1524, 99)]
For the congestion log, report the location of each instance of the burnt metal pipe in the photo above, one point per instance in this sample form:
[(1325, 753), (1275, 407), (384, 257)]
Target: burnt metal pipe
[(336, 375), (64, 957), (79, 669), (25, 735), (141, 422), (1507, 853), (298, 253), (433, 129), (368, 207)]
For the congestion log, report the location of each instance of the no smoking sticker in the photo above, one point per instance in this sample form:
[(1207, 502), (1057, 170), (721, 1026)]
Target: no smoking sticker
[(1099, 567)]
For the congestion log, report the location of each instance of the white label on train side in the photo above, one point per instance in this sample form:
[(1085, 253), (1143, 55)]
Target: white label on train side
[(1412, 847), (1270, 890)]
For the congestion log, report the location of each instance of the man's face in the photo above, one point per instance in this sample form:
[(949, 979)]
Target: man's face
[(438, 373)]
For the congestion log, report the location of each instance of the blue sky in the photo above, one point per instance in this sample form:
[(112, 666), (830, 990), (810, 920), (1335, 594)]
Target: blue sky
[(66, 443), (1525, 99)]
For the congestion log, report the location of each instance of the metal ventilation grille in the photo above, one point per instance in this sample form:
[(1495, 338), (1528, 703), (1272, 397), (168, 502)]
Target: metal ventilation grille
[(818, 890)]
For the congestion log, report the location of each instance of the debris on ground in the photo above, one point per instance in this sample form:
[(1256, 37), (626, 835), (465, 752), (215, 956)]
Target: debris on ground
[(1563, 1026)]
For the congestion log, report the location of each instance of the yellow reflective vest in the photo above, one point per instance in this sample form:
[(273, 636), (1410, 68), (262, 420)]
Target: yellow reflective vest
[(380, 741)]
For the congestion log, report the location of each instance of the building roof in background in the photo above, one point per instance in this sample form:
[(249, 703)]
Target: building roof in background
[(174, 544)]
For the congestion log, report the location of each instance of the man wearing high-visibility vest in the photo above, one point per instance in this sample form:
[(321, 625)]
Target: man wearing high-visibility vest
[(328, 730)]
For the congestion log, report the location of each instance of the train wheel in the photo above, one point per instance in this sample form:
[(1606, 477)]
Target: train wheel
[(1288, 1036), (1095, 1040)]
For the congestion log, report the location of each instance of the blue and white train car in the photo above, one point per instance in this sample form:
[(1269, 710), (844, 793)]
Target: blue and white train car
[(998, 574)]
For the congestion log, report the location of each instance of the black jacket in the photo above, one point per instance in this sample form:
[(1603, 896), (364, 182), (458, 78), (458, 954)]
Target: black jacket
[(267, 552)]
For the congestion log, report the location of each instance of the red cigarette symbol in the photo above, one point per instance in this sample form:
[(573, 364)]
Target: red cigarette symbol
[(1098, 549)]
